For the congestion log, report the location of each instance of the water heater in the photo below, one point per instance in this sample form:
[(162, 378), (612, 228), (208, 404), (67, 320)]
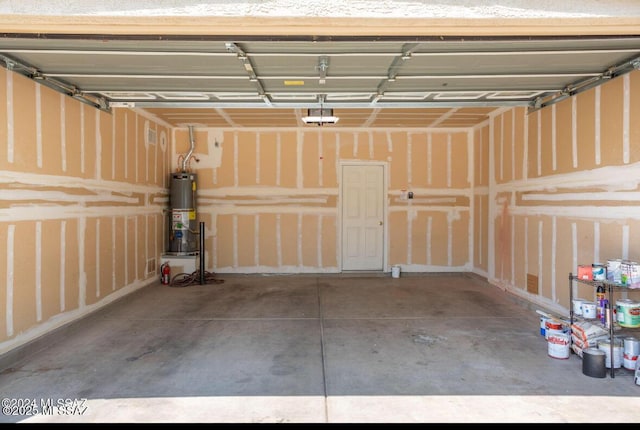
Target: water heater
[(183, 225)]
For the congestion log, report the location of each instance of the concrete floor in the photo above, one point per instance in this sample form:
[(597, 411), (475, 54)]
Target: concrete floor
[(311, 349)]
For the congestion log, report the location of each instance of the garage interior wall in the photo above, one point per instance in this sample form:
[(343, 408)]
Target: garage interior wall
[(559, 188), (82, 194), (520, 200)]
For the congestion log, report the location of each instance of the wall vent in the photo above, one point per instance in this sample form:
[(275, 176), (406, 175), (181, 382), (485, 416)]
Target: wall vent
[(532, 284)]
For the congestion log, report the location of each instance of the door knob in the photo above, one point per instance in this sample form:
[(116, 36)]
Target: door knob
[(380, 223)]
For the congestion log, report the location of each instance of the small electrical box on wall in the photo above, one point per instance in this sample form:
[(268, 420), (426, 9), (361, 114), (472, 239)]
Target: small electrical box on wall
[(410, 195)]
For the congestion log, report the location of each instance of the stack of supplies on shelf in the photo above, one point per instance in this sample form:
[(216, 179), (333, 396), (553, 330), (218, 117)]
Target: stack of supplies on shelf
[(586, 335)]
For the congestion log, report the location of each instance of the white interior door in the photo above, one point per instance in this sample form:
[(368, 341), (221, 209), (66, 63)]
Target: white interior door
[(362, 217)]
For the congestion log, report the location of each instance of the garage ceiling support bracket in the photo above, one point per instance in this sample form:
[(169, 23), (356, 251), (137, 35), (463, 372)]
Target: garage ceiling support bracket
[(586, 84), (57, 85), (250, 69)]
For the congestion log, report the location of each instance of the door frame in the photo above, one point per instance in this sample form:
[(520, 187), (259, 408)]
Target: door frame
[(385, 202)]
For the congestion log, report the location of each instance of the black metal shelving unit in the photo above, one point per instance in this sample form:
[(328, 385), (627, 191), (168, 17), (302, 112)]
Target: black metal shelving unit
[(610, 289)]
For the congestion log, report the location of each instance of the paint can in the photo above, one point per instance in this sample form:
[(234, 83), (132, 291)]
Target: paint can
[(553, 327), (589, 310), (559, 345), (543, 326), (631, 353), (395, 271), (605, 345), (599, 272), (593, 363), (628, 313), (577, 306), (636, 376)]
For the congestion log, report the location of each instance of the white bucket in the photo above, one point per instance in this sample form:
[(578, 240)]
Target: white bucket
[(577, 306), (395, 271), (543, 326), (605, 345), (631, 353), (559, 345), (589, 310)]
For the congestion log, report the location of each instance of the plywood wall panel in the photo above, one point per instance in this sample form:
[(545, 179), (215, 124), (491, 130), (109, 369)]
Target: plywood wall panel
[(51, 132), (508, 143), (269, 164), (419, 232), (289, 160), (503, 241), (634, 114), (120, 247), (585, 241), (610, 238), (480, 214), (88, 140), (481, 156), (439, 163), (143, 150), (289, 239), (399, 164), (329, 162), (50, 261), (225, 240), (90, 259), (246, 240), (131, 146), (24, 277), (268, 240), (519, 144), (459, 161), (71, 270), (419, 157), (563, 263), (120, 158), (439, 239), (547, 151), (4, 287), (460, 239), (131, 249), (611, 122), (5, 144), (73, 151), (310, 160), (24, 130), (633, 228), (520, 256), (586, 130), (247, 142), (533, 246), (564, 137), (141, 246), (329, 239), (311, 240), (397, 237), (532, 148), (548, 285), (106, 145), (106, 256)]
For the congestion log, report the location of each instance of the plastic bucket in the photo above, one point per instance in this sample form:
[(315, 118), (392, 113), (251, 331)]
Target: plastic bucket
[(628, 313), (631, 353), (395, 271), (605, 345), (589, 310), (558, 345)]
